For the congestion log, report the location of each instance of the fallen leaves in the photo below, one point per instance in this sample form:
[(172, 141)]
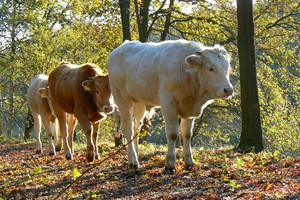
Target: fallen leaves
[(218, 174)]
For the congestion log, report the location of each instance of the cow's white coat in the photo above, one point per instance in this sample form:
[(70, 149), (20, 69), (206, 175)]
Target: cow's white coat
[(41, 109), (182, 77)]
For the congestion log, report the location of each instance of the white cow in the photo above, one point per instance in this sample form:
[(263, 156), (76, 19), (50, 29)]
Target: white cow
[(40, 106), (182, 77)]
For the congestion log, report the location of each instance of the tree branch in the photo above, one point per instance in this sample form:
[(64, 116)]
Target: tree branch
[(284, 17)]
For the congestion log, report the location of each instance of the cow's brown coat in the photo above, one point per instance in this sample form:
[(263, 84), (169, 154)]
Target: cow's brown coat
[(84, 92)]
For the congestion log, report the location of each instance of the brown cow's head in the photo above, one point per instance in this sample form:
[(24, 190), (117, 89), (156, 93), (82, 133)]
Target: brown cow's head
[(98, 86), (212, 67)]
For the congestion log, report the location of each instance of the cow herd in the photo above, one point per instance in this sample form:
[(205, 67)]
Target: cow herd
[(179, 76)]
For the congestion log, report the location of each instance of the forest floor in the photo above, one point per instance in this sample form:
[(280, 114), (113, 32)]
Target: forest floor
[(218, 174)]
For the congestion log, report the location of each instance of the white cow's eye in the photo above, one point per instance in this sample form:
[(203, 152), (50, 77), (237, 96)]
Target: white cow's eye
[(211, 69)]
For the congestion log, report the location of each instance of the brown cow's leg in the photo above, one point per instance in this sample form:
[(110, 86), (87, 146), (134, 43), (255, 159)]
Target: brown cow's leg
[(61, 116), (94, 136), (72, 121), (57, 135), (88, 129), (186, 131)]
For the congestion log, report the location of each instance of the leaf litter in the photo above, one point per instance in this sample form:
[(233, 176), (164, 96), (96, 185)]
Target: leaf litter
[(217, 174)]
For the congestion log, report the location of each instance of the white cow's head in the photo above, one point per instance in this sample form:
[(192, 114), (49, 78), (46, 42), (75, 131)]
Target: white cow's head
[(212, 67), (98, 86), (45, 94)]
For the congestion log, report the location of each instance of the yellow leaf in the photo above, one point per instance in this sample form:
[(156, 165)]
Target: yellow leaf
[(225, 178), (38, 170), (76, 173), (268, 186), (2, 178)]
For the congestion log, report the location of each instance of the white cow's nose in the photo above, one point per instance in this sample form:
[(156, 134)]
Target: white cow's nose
[(228, 91)]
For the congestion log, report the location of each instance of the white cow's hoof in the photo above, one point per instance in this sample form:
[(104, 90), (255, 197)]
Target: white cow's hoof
[(169, 170)]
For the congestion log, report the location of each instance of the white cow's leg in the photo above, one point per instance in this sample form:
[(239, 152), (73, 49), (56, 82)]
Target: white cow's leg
[(138, 113), (88, 130), (186, 131), (49, 132), (172, 129), (125, 108), (118, 133), (124, 104), (94, 137), (37, 130), (127, 127)]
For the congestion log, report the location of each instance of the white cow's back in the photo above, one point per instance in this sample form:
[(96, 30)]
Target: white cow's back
[(142, 69)]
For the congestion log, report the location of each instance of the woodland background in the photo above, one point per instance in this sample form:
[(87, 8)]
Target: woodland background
[(36, 35)]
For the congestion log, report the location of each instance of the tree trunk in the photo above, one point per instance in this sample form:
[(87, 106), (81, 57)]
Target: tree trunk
[(168, 21), (1, 112), (142, 19), (124, 7), (251, 136), (11, 74), (28, 125)]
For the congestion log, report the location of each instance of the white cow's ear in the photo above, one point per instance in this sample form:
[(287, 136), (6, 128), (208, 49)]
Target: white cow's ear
[(43, 92), (193, 61), (87, 85)]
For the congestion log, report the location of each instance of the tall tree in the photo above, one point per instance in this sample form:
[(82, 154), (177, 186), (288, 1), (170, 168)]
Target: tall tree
[(124, 7), (251, 136), (13, 35), (167, 21), (142, 18)]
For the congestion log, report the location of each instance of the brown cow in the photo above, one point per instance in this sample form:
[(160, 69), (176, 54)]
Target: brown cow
[(41, 110), (84, 92)]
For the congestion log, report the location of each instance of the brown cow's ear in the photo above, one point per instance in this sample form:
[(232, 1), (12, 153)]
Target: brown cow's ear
[(193, 62), (104, 78), (43, 92), (87, 85)]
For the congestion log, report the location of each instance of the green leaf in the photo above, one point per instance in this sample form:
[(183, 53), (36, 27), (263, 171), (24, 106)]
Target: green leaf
[(101, 175), (43, 179), (234, 185), (76, 173), (38, 170), (276, 154), (114, 178)]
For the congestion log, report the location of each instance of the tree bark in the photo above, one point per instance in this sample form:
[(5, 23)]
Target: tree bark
[(1, 113), (11, 73), (251, 136), (124, 7), (142, 19), (28, 125), (168, 21)]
